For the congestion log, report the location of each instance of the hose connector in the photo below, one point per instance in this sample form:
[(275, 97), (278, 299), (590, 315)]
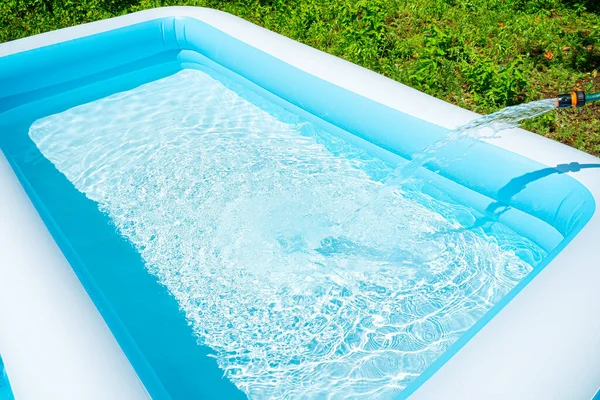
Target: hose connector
[(575, 100)]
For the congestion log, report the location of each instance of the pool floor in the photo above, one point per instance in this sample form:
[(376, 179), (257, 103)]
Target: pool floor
[(236, 249)]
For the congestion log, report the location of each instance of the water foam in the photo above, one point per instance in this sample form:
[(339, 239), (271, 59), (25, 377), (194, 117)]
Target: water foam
[(231, 202)]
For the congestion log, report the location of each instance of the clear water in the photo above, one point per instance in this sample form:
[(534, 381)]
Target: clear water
[(485, 126), (231, 201), (489, 124)]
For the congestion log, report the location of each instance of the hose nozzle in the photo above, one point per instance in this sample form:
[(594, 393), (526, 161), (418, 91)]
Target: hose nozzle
[(575, 100)]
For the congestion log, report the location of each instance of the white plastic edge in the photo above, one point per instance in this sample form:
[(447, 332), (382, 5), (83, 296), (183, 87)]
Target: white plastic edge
[(54, 343), (545, 343)]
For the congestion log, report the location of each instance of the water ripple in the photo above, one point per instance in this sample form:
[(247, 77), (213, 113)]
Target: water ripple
[(232, 201)]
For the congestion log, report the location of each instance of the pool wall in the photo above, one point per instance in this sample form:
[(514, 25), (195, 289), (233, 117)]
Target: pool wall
[(548, 327), (54, 342)]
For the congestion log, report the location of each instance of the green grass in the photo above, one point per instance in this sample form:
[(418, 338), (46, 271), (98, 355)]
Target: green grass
[(479, 54)]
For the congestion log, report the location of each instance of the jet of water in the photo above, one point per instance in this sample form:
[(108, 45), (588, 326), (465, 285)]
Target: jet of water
[(507, 118)]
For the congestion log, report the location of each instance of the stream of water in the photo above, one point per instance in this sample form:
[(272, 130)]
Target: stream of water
[(492, 124)]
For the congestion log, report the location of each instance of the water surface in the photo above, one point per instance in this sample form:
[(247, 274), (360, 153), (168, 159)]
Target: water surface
[(235, 206)]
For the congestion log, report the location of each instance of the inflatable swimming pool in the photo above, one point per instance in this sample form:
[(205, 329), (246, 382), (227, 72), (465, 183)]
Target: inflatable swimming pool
[(168, 182)]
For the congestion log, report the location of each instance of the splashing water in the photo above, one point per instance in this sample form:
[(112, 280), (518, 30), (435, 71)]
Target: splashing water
[(507, 118), (230, 199)]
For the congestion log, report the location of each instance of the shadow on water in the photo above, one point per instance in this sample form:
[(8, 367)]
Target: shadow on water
[(518, 184), (512, 188), (332, 246)]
